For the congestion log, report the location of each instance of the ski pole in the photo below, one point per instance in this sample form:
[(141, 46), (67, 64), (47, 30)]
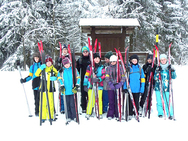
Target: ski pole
[(18, 65)]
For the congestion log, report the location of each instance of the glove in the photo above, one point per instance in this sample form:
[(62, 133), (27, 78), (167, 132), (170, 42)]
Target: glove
[(170, 68), (53, 78), (125, 90), (111, 86), (158, 68), (85, 89), (118, 85), (22, 80), (95, 80), (43, 66), (63, 89), (75, 89)]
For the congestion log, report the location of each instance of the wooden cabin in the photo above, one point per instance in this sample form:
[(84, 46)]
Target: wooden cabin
[(111, 33)]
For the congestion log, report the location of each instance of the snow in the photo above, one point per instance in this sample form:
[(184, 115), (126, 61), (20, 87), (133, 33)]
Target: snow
[(15, 123)]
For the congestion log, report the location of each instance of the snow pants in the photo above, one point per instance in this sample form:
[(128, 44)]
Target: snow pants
[(136, 97), (112, 110), (37, 100), (91, 101), (166, 101), (105, 100), (45, 113), (70, 106)]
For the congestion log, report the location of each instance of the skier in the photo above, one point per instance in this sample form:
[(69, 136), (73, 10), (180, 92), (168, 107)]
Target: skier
[(35, 80), (163, 69), (111, 78), (105, 90), (82, 64), (59, 67), (49, 68), (68, 90), (136, 81), (147, 68), (89, 81)]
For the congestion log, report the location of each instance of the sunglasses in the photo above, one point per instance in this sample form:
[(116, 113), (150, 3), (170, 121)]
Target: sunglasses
[(85, 51)]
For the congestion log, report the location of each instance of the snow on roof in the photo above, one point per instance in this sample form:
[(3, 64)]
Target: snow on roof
[(109, 22)]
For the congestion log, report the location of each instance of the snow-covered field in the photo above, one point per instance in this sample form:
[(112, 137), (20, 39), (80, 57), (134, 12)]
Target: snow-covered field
[(16, 125)]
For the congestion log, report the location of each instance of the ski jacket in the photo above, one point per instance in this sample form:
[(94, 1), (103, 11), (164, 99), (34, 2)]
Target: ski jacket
[(111, 75), (67, 77), (33, 77), (100, 75), (165, 78), (105, 85), (48, 71), (136, 79)]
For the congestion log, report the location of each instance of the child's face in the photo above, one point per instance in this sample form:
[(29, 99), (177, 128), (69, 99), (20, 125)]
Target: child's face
[(113, 63), (107, 60), (134, 61), (163, 61), (48, 64), (149, 61), (97, 60), (65, 51), (67, 65), (36, 59)]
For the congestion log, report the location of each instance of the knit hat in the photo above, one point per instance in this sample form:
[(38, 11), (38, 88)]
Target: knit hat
[(134, 56), (113, 58), (64, 46), (65, 61), (150, 56), (108, 54), (95, 55), (85, 48), (48, 58), (163, 56)]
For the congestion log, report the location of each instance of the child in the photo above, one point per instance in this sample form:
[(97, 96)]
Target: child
[(136, 82), (147, 71), (89, 80), (111, 78), (51, 75), (68, 89), (35, 80), (105, 90), (163, 69), (82, 64)]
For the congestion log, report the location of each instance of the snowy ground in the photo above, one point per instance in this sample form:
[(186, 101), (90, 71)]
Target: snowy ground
[(15, 123)]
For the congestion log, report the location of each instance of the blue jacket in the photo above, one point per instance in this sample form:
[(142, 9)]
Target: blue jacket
[(68, 80), (136, 79), (33, 77)]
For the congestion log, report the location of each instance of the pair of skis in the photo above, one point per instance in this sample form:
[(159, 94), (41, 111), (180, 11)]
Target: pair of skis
[(118, 53), (149, 91), (93, 73), (170, 86), (44, 85)]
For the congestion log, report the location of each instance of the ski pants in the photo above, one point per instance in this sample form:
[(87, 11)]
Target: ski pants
[(105, 100), (136, 97), (45, 113), (83, 98), (37, 100), (166, 101), (70, 106), (91, 101), (112, 110)]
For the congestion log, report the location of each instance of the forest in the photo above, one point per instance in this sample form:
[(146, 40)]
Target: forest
[(23, 23)]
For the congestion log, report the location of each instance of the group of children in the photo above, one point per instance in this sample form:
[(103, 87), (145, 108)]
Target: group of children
[(98, 83)]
